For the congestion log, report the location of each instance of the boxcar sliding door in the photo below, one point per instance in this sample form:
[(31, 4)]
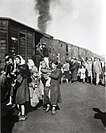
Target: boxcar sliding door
[(22, 44)]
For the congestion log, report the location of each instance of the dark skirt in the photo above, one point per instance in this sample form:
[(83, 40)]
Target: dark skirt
[(22, 93), (55, 95), (67, 74), (46, 95), (74, 75)]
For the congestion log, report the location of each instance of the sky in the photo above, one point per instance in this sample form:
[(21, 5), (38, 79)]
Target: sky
[(78, 22)]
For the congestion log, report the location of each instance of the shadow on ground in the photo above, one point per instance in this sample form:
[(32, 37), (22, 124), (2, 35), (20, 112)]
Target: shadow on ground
[(100, 115), (8, 118)]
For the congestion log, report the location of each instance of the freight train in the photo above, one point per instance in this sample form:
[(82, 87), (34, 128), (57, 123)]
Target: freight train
[(18, 38)]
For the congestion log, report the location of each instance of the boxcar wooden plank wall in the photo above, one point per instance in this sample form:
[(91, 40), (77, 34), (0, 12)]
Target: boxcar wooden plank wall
[(16, 38), (54, 49), (12, 38), (23, 36), (75, 49), (48, 40), (24, 39), (59, 50), (63, 51), (22, 43), (69, 51), (3, 41), (30, 44)]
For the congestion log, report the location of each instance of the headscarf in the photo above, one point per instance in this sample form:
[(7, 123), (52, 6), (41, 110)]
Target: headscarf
[(30, 63), (6, 57), (21, 58)]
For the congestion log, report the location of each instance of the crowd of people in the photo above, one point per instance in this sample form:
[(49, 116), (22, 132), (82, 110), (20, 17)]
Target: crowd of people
[(37, 80), (84, 70)]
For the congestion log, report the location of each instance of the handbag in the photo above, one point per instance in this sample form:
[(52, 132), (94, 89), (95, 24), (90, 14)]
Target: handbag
[(34, 99)]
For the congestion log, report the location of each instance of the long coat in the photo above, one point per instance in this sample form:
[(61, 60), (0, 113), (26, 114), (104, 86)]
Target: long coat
[(97, 67), (74, 71), (55, 95), (22, 90)]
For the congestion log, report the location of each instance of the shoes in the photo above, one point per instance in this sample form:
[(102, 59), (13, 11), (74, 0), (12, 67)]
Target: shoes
[(38, 108), (13, 106), (19, 114), (44, 108), (53, 111), (22, 117), (8, 104), (48, 108)]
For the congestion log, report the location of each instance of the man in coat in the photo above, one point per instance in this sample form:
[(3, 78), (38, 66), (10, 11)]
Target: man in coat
[(97, 70), (38, 56), (46, 54)]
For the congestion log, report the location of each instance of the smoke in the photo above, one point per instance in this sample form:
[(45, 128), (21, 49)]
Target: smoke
[(44, 16)]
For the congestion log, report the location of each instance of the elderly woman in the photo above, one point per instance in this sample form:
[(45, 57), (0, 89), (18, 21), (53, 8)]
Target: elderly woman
[(22, 94)]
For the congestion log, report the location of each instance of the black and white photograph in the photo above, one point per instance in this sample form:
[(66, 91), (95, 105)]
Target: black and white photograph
[(52, 66)]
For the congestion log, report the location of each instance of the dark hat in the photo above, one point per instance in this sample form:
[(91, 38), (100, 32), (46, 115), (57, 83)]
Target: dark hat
[(74, 58), (7, 58), (55, 61)]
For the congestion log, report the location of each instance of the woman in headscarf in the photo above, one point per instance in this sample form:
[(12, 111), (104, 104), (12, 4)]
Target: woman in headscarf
[(22, 94)]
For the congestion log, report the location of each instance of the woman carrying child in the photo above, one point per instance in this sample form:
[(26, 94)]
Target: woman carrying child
[(54, 95), (22, 91)]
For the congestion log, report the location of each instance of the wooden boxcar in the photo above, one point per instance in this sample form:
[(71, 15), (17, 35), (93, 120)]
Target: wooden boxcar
[(59, 50), (17, 38), (67, 50)]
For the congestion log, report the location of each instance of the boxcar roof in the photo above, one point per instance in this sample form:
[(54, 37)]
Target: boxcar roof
[(11, 19)]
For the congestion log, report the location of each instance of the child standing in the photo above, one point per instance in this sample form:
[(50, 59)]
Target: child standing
[(35, 94), (81, 72), (46, 82)]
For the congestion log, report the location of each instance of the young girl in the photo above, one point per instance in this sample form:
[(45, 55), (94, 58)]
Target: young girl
[(10, 78), (35, 94)]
